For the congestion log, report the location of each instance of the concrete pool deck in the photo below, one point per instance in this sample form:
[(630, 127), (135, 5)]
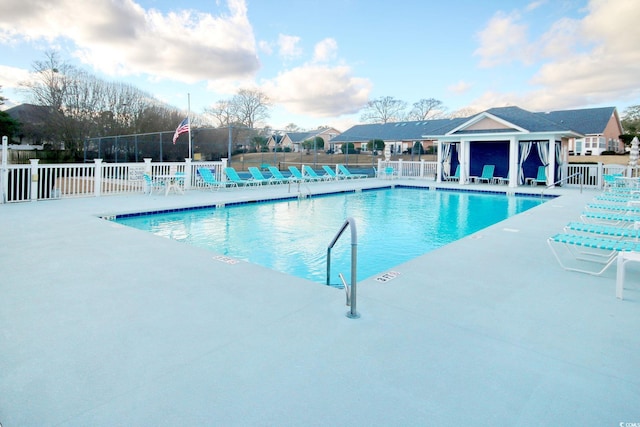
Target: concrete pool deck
[(104, 325)]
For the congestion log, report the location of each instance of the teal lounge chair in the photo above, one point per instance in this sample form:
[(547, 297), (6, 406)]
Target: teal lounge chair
[(258, 176), (234, 177), (152, 185), (621, 198), (602, 251), (487, 174), (331, 172), (541, 178), (501, 179), (308, 171), (275, 172), (604, 230), (611, 180), (300, 177), (609, 218), (347, 174), (389, 173), (455, 176), (629, 209), (210, 181)]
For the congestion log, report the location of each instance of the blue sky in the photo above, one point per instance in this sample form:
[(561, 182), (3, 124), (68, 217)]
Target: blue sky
[(320, 61)]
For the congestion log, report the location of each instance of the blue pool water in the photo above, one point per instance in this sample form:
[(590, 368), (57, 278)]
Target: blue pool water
[(292, 236)]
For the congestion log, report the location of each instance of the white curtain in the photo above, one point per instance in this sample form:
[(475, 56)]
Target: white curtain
[(446, 160), (543, 154), (559, 162), (525, 149)]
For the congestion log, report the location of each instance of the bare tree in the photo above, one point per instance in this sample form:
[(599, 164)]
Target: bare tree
[(429, 108), (384, 110), (251, 106), (82, 105), (246, 108), (224, 113), (463, 112), (292, 127)]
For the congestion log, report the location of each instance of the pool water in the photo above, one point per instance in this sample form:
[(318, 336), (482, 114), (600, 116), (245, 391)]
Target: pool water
[(393, 226)]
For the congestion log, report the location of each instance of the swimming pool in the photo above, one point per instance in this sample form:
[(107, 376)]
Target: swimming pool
[(291, 236)]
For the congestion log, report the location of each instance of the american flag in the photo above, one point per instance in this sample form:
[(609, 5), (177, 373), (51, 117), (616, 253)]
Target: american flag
[(182, 128)]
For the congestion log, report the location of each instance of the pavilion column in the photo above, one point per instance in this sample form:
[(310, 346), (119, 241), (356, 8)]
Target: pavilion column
[(514, 145), (464, 161), (551, 156), (438, 162)]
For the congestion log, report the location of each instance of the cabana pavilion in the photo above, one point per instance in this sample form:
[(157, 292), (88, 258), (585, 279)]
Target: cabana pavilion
[(514, 140)]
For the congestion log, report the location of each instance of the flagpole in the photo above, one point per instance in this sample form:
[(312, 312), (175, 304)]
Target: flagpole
[(189, 122)]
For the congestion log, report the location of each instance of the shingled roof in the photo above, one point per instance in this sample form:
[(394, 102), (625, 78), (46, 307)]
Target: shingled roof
[(584, 121), (398, 131), (589, 121)]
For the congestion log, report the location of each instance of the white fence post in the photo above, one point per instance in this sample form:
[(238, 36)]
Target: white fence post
[(187, 174), (147, 166), (219, 174), (400, 171), (34, 179), (97, 177), (4, 177), (600, 173)]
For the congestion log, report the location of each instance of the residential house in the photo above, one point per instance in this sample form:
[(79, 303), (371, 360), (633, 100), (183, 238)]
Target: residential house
[(601, 128), (278, 141), (327, 135)]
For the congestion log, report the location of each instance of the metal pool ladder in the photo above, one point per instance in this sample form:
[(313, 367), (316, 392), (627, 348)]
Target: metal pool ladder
[(349, 290)]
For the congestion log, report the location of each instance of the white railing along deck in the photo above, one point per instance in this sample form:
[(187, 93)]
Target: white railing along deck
[(34, 181)]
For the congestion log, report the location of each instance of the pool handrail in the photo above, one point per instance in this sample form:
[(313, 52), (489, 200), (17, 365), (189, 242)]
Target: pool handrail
[(351, 296)]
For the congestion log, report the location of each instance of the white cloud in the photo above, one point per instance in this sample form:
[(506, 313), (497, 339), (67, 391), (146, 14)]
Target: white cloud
[(265, 47), (561, 40), (288, 46), (11, 77), (325, 51), (319, 91), (123, 38), (504, 40), (593, 60), (534, 5), (608, 69), (460, 87)]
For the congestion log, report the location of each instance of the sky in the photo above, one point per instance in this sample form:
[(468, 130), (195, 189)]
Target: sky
[(321, 61)]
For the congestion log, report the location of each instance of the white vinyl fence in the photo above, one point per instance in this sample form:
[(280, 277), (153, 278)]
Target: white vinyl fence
[(19, 183), (34, 181)]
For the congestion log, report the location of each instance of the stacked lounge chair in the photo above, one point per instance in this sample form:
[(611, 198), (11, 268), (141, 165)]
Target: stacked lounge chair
[(332, 173), (234, 177), (275, 172), (258, 176), (308, 171), (300, 177), (210, 181), (348, 175)]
